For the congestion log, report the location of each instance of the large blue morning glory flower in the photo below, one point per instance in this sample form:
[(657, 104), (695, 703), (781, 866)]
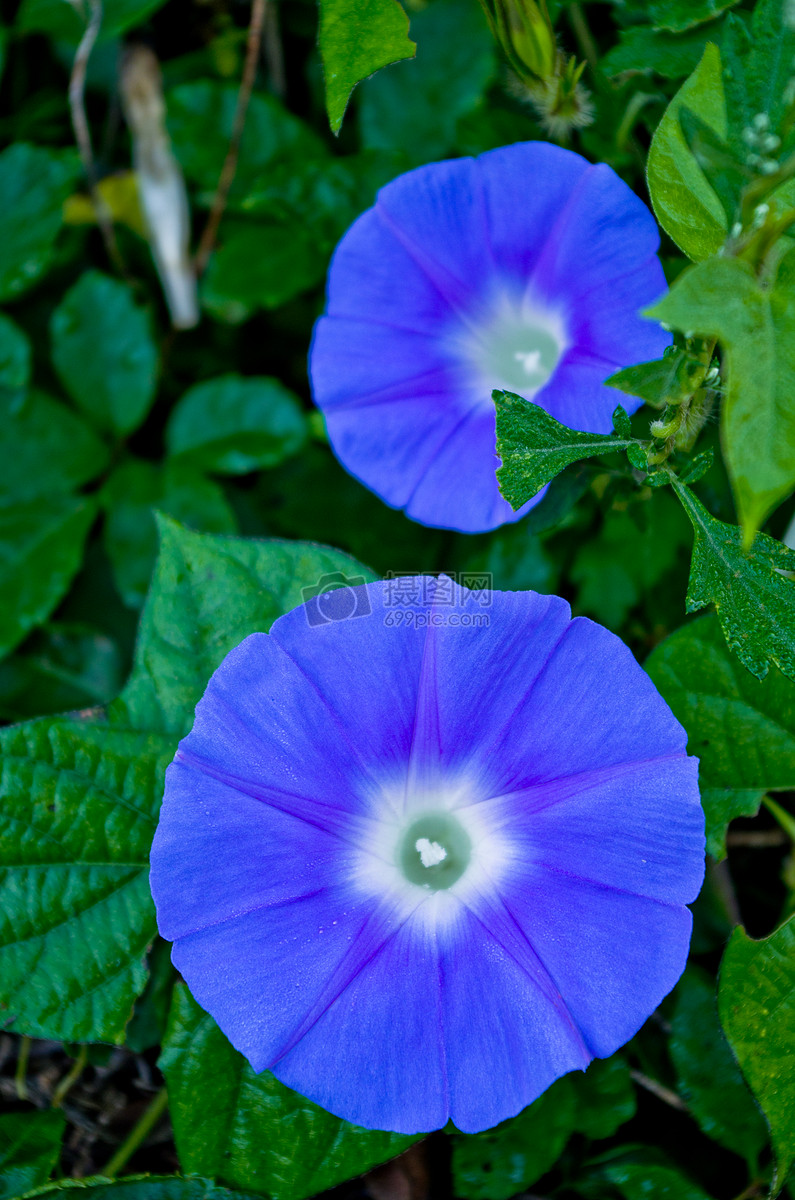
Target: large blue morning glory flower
[(522, 269), (425, 860)]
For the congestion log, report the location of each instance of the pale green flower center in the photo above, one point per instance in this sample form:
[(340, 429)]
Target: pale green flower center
[(434, 851)]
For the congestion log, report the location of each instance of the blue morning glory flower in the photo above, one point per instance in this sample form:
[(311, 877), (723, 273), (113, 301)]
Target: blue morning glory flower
[(523, 269), (422, 861)]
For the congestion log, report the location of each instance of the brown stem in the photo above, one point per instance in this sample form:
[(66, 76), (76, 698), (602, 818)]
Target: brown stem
[(755, 1188), (758, 839), (274, 53), (207, 242), (721, 879), (659, 1090), (77, 106)]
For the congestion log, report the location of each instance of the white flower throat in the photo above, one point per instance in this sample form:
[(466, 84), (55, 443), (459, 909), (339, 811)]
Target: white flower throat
[(517, 349)]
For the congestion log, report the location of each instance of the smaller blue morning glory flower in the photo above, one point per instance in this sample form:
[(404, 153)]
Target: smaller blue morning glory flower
[(420, 868), (523, 269)]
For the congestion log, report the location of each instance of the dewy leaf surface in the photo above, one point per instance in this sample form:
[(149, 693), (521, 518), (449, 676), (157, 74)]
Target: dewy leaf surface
[(30, 1146), (243, 1129), (755, 326), (534, 447), (756, 1000), (639, 1181), (15, 355), (78, 808), (757, 69), (208, 593), (357, 38), (741, 729), (753, 597)]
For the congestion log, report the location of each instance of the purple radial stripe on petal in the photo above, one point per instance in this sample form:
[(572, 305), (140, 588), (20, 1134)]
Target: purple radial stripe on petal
[(464, 671), (458, 489), (293, 848), (613, 955), (608, 324), (389, 446), (367, 672), (376, 1057), (578, 713), (291, 962), (438, 214), (525, 186), (638, 827), (366, 265), (352, 360), (257, 707), (507, 1030), (603, 232)]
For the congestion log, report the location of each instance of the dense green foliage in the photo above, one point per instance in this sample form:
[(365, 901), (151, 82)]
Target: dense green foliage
[(166, 489)]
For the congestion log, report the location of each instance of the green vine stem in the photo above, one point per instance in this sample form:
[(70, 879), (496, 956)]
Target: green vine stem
[(137, 1135)]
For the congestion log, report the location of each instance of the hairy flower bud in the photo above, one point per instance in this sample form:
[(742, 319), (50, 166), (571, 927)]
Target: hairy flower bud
[(545, 76), (525, 32)]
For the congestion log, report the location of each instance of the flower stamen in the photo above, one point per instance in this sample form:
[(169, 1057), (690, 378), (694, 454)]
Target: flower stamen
[(431, 853)]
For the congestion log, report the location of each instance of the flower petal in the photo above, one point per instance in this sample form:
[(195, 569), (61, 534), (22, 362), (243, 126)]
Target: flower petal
[(361, 284), (269, 975), (523, 186), (264, 852), (508, 1033), (603, 231), (257, 708), (608, 324), (591, 706), (376, 1056), (465, 668), (458, 488), (576, 394), (367, 673), (355, 360), (438, 214), (613, 955), (389, 446), (638, 827)]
